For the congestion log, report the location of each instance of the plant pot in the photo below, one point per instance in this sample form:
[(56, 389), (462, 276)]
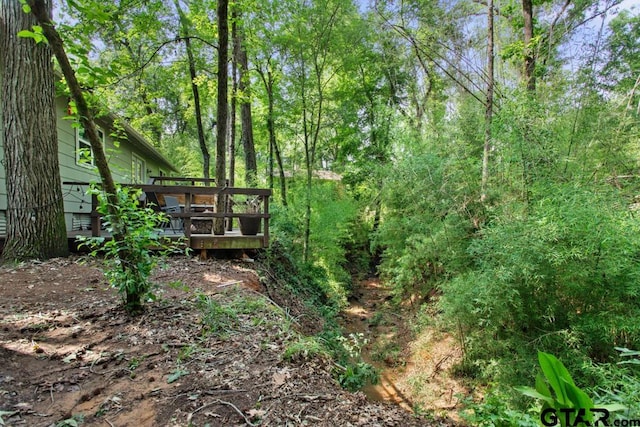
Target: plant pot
[(250, 226)]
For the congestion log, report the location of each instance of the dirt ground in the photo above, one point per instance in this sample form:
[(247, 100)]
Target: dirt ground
[(414, 368), (207, 352)]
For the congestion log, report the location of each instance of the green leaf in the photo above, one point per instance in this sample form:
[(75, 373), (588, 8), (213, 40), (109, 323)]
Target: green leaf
[(176, 375), (531, 392), (27, 34), (625, 352), (541, 386), (613, 407), (579, 399), (555, 373), (26, 8)]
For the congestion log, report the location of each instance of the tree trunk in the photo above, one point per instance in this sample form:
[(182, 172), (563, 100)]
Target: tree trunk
[(488, 115), (87, 121), (206, 157), (529, 51), (35, 212), (234, 96), (246, 121), (221, 146), (267, 79)]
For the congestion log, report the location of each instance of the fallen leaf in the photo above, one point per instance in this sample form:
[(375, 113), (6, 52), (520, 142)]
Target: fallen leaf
[(280, 377), (256, 413), (70, 358)]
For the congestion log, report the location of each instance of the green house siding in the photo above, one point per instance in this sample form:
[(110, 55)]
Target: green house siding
[(77, 204)]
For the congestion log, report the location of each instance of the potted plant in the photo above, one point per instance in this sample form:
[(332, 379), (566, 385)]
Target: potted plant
[(250, 225)]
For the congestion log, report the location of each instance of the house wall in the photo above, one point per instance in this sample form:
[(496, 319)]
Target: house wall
[(77, 204)]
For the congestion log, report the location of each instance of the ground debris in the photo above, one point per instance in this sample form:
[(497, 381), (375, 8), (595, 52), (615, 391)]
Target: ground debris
[(69, 350)]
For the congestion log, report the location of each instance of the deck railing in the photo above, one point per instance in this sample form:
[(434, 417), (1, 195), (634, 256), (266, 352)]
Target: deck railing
[(198, 202)]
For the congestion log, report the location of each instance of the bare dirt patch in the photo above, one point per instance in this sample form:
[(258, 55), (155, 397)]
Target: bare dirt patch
[(207, 352), (415, 371)]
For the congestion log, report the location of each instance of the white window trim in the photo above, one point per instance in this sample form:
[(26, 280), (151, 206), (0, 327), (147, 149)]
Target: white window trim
[(143, 164), (79, 140)]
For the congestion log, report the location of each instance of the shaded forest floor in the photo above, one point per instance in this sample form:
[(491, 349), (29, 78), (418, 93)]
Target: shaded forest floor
[(209, 351)]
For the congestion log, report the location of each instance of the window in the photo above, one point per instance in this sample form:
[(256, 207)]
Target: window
[(138, 170), (84, 153)]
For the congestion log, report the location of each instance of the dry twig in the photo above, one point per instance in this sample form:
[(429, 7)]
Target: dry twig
[(220, 402)]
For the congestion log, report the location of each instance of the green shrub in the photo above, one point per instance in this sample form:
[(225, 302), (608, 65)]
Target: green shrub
[(565, 277), (130, 259), (496, 410), (428, 221)]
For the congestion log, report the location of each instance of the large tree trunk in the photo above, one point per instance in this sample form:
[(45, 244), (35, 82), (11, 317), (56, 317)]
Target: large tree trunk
[(221, 136), (87, 121), (529, 51), (35, 212)]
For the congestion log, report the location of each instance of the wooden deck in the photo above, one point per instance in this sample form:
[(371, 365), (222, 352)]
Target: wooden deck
[(233, 239), (195, 205)]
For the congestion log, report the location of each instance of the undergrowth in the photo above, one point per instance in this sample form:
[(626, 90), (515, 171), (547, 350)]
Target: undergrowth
[(292, 283)]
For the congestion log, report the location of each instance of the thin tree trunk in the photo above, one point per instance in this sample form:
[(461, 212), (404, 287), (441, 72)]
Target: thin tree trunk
[(87, 121), (232, 119), (307, 158), (244, 88), (271, 129), (221, 146), (234, 103), (118, 223), (206, 157), (35, 212), (529, 51), (488, 115)]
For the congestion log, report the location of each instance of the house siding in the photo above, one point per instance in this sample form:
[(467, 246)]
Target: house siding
[(77, 204)]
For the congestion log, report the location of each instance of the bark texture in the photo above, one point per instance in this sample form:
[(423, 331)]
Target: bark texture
[(221, 135), (35, 212), (246, 118)]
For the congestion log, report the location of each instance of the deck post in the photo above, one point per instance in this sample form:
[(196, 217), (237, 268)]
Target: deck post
[(187, 220), (266, 222), (96, 223)]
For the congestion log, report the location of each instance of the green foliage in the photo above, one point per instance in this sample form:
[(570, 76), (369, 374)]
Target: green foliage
[(75, 421), (424, 234), (496, 410), (218, 319), (306, 282), (357, 375), (305, 348), (619, 385), (130, 259), (631, 354), (336, 232), (352, 372), (564, 277), (563, 393)]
